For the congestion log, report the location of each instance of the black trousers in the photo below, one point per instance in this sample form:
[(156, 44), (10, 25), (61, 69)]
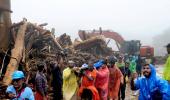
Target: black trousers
[(122, 91), (57, 93)]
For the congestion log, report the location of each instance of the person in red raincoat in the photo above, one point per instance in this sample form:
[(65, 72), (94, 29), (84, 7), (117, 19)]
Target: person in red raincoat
[(115, 79), (87, 84), (102, 79)]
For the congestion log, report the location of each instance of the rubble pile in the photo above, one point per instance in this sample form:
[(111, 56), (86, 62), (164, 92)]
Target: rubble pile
[(94, 45), (64, 40), (40, 45), (36, 44)]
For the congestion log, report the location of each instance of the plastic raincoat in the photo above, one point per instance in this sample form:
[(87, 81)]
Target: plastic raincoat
[(23, 95), (89, 84), (69, 83), (149, 85), (132, 66), (120, 65), (102, 82), (114, 82), (166, 73)]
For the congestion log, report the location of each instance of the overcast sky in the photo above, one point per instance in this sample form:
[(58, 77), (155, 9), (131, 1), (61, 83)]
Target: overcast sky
[(133, 19)]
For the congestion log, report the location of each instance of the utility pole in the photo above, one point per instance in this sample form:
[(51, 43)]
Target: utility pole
[(5, 24)]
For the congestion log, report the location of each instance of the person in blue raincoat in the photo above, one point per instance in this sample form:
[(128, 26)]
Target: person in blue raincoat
[(151, 87), (18, 90)]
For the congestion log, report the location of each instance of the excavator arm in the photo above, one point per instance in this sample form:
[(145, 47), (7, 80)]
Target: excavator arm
[(85, 34)]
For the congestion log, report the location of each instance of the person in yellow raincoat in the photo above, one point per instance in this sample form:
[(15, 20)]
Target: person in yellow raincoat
[(70, 84), (166, 73)]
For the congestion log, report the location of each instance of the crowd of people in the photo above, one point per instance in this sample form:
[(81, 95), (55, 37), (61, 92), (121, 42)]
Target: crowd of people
[(104, 79)]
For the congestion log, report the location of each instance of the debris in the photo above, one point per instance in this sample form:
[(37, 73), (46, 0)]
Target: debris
[(17, 52), (64, 40), (95, 45), (32, 43)]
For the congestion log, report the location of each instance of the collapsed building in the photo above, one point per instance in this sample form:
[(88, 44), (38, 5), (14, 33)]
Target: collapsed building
[(24, 44), (30, 43)]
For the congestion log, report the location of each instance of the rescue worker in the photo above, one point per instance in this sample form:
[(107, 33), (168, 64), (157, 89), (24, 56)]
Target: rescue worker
[(102, 79), (139, 65), (41, 83), (132, 66), (57, 81), (151, 87), (18, 90), (70, 84), (87, 83), (120, 63), (115, 79), (126, 74), (166, 73)]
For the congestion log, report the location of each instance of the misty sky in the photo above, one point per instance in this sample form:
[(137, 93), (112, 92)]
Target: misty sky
[(133, 19)]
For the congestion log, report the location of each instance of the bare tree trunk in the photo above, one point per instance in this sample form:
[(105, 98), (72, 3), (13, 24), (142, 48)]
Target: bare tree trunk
[(17, 52)]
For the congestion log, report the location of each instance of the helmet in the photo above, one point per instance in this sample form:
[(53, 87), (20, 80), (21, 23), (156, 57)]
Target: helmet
[(17, 75)]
